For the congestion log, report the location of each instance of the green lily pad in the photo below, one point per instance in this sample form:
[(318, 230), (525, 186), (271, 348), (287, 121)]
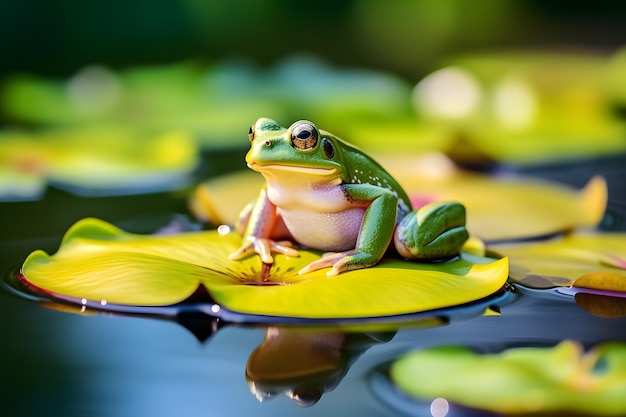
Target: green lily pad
[(216, 102), (525, 107), (20, 186), (98, 262), (96, 160), (527, 380), (595, 260)]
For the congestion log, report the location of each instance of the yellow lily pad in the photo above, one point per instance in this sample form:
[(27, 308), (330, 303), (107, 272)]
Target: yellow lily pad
[(563, 379), (100, 263), (607, 281), (585, 260), (504, 208), (497, 208), (221, 199)]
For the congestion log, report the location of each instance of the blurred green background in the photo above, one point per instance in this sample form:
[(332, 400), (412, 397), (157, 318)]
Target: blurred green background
[(408, 37), (93, 93)]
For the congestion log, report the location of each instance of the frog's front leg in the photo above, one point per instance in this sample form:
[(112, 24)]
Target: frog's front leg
[(262, 225), (375, 234), (434, 232)]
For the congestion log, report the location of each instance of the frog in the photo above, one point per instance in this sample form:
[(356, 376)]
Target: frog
[(322, 193)]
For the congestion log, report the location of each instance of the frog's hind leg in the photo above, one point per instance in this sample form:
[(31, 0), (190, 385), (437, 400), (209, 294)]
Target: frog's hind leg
[(434, 232)]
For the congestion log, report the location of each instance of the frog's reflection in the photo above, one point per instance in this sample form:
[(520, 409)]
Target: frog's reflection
[(303, 364)]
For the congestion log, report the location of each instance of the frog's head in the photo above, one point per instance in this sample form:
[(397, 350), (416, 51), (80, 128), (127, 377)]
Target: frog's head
[(300, 149)]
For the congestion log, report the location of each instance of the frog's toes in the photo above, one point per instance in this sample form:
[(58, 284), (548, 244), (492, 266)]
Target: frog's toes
[(436, 231), (341, 262), (324, 262), (265, 248)]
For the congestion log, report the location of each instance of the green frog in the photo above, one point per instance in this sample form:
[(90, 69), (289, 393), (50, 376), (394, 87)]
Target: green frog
[(322, 193)]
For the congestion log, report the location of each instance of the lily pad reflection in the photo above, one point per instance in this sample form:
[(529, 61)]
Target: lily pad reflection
[(99, 263)]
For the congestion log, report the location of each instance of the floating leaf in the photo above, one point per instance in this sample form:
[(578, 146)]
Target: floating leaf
[(217, 102), (221, 199), (99, 160), (525, 107), (601, 293), (527, 380), (508, 207), (511, 208), (597, 259), (607, 281), (20, 186), (98, 262)]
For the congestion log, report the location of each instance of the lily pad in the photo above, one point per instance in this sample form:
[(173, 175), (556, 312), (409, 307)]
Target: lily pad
[(20, 186), (96, 160), (505, 208), (526, 107), (217, 102), (100, 263), (497, 208), (593, 260), (607, 281), (530, 380)]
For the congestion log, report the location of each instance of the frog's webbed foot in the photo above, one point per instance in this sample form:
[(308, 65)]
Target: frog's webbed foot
[(264, 247), (341, 262), (435, 231)]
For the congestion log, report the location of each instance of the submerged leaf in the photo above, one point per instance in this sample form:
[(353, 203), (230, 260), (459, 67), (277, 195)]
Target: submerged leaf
[(97, 261), (527, 380)]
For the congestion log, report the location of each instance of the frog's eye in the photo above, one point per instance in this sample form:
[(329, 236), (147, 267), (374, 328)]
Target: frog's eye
[(304, 135), (251, 133)]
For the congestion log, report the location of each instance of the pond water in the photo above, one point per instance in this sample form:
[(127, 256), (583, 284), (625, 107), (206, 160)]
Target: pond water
[(56, 362)]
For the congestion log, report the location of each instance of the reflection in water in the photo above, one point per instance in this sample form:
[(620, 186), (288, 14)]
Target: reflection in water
[(601, 305), (296, 360), (303, 364), (439, 407)]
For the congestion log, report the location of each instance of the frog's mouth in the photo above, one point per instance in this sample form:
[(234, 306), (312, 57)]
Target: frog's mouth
[(292, 168)]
